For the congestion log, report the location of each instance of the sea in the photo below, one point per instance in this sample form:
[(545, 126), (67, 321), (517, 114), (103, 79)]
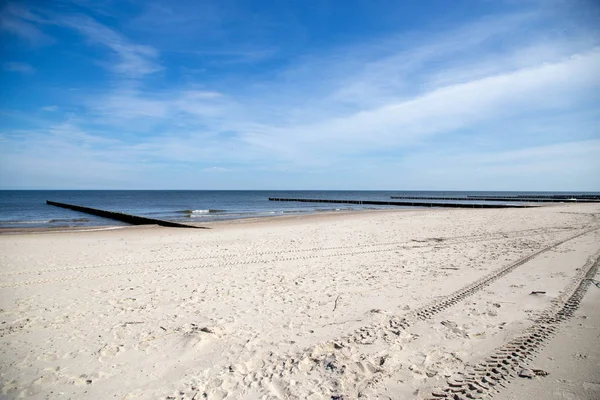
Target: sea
[(28, 208)]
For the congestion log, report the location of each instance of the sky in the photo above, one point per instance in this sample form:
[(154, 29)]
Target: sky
[(300, 94)]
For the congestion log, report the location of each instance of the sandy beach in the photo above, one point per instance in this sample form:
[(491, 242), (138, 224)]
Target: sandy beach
[(374, 304)]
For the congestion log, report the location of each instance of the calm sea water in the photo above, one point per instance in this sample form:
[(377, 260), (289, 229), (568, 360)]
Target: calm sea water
[(28, 208)]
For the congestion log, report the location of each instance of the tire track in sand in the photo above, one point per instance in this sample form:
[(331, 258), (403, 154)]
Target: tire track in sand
[(506, 362), (328, 356), (227, 260), (191, 267)]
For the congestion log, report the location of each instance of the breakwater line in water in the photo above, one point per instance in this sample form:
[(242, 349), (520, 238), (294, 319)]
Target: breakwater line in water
[(404, 203), (519, 199), (119, 216)]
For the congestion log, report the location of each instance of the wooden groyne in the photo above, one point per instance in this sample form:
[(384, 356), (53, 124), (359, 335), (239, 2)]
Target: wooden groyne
[(119, 216), (536, 199), (581, 196), (403, 203)]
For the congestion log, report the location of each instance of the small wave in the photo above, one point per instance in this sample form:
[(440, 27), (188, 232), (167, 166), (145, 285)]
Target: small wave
[(53, 221), (200, 215), (209, 211), (334, 209)]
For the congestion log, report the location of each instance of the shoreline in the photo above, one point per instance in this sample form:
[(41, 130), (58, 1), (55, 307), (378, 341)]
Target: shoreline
[(224, 222), (247, 220)]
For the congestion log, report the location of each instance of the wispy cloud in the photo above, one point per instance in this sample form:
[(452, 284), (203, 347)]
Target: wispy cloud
[(215, 33), (21, 67), (132, 60), (19, 21), (401, 121), (446, 109)]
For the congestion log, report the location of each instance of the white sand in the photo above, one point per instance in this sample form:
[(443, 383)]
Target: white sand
[(274, 308)]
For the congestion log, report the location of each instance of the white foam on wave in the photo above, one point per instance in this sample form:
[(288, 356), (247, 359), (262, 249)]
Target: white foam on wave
[(108, 228), (45, 221)]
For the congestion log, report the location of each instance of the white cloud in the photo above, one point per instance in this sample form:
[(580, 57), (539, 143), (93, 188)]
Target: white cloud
[(387, 104), (441, 111), (568, 166), (193, 120), (215, 169)]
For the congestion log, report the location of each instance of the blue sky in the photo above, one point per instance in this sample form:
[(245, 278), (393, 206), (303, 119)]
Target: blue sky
[(355, 94)]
